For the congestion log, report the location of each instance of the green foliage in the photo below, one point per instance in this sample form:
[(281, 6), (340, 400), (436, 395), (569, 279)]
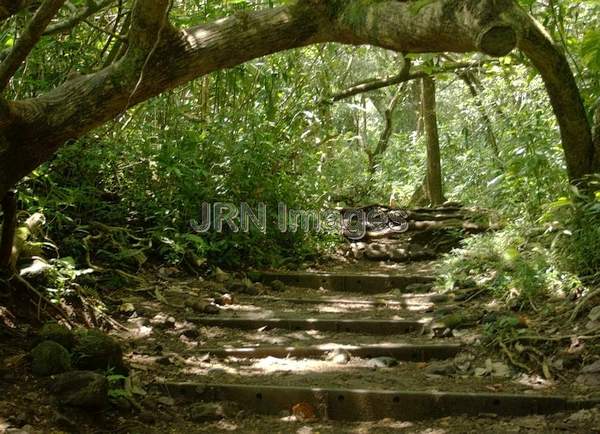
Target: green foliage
[(574, 223), (261, 132), (513, 265)]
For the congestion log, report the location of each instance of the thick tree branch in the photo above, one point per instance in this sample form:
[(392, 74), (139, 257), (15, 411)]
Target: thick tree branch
[(28, 39)]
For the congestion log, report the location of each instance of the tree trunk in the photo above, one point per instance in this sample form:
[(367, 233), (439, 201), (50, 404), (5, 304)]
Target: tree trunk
[(9, 227), (434, 165), (160, 57), (581, 154), (596, 132)]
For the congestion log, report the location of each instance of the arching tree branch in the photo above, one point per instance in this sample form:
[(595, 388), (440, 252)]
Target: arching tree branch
[(157, 60)]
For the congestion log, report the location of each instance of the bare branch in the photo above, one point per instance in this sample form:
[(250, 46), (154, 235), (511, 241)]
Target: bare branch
[(108, 32), (34, 31), (90, 9), (402, 77), (386, 134), (375, 84)]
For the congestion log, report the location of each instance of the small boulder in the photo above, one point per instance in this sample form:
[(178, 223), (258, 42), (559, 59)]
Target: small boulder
[(382, 362), (592, 368), (338, 356), (96, 350), (594, 314), (58, 333), (203, 307), (441, 368), (244, 286), (418, 287), (277, 285), (221, 276), (81, 389), (50, 358), (208, 411), (590, 375)]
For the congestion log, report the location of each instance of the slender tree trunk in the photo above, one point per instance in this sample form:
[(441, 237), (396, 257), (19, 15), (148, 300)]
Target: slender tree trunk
[(434, 165), (9, 227), (596, 131)]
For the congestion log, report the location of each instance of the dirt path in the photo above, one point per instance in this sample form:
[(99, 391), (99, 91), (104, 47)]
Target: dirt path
[(336, 350), (265, 352)]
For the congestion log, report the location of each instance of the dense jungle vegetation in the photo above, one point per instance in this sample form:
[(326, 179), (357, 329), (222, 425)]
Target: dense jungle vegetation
[(119, 119), (272, 130)]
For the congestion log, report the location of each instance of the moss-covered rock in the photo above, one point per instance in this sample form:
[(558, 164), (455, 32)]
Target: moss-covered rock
[(81, 389), (96, 350), (278, 285), (50, 358), (58, 333)]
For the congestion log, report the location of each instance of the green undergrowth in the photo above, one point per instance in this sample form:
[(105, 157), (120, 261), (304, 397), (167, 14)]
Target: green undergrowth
[(542, 279), (523, 262)]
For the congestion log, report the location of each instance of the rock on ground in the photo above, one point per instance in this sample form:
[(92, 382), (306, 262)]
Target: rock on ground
[(50, 358), (96, 350), (81, 389)]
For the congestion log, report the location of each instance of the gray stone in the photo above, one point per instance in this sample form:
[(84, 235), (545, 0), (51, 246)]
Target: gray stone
[(50, 358), (96, 350), (339, 356), (441, 368), (206, 412), (592, 368), (277, 285), (594, 314), (382, 362), (147, 417), (589, 380), (81, 389)]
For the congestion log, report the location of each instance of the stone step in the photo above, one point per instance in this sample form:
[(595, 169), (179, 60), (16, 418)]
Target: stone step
[(366, 326), (400, 301), (346, 282), (401, 352), (365, 405)]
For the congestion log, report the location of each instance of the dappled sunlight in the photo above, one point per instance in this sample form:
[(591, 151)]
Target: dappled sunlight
[(535, 382)]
